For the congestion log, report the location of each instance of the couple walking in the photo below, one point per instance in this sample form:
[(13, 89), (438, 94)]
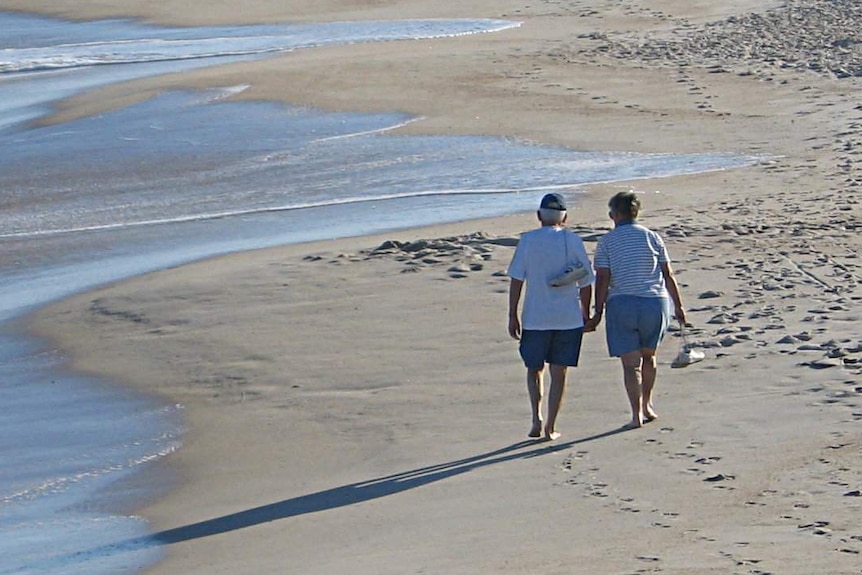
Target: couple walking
[(634, 289)]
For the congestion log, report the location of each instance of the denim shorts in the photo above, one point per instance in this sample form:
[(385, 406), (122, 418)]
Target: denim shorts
[(633, 323), (556, 346)]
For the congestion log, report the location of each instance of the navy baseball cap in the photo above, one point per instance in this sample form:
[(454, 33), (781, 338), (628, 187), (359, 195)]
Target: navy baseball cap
[(553, 202)]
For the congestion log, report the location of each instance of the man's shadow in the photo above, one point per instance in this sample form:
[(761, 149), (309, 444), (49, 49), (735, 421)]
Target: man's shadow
[(320, 501), (362, 491)]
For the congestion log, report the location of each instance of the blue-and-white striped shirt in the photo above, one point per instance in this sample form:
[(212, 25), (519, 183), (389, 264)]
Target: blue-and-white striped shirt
[(634, 255)]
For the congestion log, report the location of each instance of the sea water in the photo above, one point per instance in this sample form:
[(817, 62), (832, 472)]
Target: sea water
[(185, 176)]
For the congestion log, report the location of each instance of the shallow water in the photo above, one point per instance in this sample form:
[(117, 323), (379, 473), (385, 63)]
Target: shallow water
[(185, 176), (160, 183), (66, 439)]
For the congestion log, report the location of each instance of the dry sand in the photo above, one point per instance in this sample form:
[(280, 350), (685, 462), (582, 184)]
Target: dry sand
[(354, 409)]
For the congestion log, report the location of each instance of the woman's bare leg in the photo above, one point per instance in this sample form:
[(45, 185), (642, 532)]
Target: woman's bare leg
[(632, 379), (648, 377)]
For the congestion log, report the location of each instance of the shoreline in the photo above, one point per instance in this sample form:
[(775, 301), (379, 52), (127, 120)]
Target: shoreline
[(285, 428)]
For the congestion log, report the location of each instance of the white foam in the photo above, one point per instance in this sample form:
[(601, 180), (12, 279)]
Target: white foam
[(164, 46)]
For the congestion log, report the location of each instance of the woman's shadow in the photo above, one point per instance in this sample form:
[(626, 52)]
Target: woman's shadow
[(362, 491)]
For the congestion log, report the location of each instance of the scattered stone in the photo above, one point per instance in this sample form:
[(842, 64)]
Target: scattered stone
[(728, 329), (824, 363), (760, 314), (722, 318), (809, 347), (719, 477), (415, 246), (508, 242), (710, 294), (389, 245)]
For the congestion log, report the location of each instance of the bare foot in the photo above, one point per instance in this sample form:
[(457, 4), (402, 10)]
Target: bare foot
[(552, 435), (536, 430), (633, 424), (649, 413)]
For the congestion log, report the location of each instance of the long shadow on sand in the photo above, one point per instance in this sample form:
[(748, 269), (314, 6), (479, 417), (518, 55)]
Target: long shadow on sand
[(320, 501), (362, 491)]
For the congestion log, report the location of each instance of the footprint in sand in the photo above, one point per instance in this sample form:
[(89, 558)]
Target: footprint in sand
[(719, 480), (570, 462), (707, 460), (597, 489)]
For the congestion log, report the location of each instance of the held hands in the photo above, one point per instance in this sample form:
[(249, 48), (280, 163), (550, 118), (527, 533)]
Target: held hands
[(592, 323)]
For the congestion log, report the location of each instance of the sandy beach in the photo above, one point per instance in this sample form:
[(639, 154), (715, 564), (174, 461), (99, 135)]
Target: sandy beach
[(356, 406)]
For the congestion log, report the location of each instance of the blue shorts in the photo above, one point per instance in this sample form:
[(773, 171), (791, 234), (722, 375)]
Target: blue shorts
[(557, 346), (633, 323)]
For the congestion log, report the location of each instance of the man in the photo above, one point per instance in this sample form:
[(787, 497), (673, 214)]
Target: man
[(635, 286), (551, 325)]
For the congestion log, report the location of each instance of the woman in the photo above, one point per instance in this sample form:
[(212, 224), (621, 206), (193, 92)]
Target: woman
[(635, 286)]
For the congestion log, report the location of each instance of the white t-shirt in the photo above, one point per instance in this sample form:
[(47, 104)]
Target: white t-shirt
[(540, 257)]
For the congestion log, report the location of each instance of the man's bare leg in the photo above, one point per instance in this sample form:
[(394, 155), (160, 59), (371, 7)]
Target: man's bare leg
[(555, 399), (534, 389), (648, 376), (632, 378)]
